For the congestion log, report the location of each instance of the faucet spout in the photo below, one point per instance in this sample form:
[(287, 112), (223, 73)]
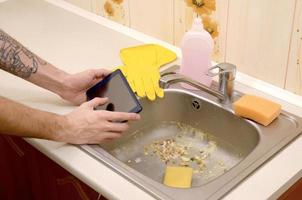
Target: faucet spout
[(169, 79), (226, 74)]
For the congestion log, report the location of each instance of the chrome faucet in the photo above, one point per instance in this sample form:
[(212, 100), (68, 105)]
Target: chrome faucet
[(226, 73)]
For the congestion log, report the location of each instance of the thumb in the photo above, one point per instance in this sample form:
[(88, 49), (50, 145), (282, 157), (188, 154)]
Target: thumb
[(95, 102), (100, 73)]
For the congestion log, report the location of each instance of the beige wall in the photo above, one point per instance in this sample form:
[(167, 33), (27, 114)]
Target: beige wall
[(262, 37)]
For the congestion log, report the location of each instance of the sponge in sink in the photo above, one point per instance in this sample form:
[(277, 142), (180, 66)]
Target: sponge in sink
[(179, 177), (256, 108)]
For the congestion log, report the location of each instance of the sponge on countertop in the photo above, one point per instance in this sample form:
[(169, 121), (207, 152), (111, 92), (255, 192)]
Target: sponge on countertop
[(179, 177), (256, 108)]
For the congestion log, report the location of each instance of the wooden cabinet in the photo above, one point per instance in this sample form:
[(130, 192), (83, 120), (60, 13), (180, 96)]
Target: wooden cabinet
[(294, 192), (27, 174)]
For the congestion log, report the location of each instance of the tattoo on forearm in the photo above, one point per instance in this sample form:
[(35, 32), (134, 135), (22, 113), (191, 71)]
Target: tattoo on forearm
[(16, 59)]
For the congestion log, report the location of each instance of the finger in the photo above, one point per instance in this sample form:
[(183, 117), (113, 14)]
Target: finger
[(80, 99), (95, 102), (159, 91), (139, 85), (103, 137), (97, 75), (116, 127), (148, 85), (109, 139), (119, 116), (130, 79), (108, 135), (131, 83), (100, 73)]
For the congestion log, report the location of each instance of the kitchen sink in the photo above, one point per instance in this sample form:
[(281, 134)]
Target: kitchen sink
[(191, 128)]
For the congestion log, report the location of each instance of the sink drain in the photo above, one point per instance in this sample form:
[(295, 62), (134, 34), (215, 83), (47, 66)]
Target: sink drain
[(196, 104)]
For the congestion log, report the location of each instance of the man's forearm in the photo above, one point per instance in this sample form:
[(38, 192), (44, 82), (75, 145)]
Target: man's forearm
[(18, 60), (17, 119)]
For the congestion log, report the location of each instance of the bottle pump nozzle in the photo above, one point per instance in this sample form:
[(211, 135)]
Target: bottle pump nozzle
[(197, 24)]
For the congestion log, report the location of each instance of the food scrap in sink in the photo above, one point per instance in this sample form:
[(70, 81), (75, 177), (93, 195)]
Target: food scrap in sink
[(167, 150), (189, 148), (173, 153)]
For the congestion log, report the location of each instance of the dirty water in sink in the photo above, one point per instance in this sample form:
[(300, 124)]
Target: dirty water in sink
[(151, 148)]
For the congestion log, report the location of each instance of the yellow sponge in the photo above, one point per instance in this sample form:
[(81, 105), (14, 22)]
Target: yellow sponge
[(256, 108), (179, 177)]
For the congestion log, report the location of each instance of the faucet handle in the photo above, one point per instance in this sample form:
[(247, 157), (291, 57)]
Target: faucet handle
[(227, 73), (225, 69)]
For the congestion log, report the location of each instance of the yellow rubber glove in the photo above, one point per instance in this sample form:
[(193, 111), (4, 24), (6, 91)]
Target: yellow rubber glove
[(143, 72), (141, 68)]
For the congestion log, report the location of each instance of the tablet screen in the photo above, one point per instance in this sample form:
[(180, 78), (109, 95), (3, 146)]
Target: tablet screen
[(117, 89)]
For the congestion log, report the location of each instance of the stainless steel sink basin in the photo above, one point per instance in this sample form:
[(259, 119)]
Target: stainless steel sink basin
[(192, 123), (188, 128)]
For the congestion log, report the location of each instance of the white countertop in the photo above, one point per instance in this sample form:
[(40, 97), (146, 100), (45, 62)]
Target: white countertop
[(74, 40)]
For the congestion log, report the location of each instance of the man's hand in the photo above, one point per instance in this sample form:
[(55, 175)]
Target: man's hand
[(75, 86), (86, 126), (82, 126)]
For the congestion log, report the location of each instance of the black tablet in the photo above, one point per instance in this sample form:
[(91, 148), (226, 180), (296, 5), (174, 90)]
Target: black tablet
[(116, 88)]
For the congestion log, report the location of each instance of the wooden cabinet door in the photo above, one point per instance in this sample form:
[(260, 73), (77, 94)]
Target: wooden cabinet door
[(294, 192), (27, 174), (14, 182)]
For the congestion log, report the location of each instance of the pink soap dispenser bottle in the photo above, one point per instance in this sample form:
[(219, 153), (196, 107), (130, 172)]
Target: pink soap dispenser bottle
[(196, 46)]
